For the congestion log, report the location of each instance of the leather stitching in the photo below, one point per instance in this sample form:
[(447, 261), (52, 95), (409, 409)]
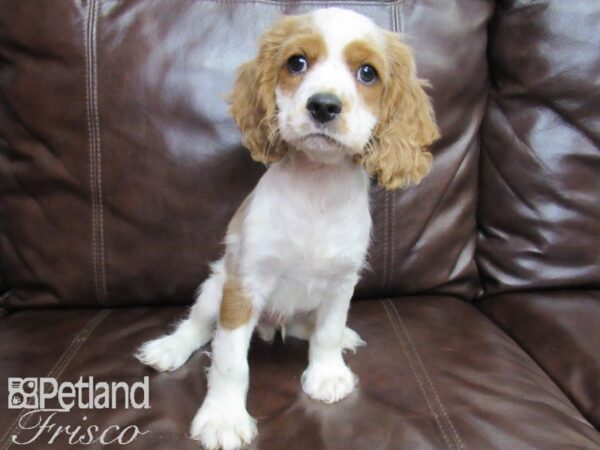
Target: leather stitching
[(415, 372), (99, 155), (386, 209), (91, 143), (98, 253), (59, 367), (445, 416), (385, 238), (397, 27), (393, 250)]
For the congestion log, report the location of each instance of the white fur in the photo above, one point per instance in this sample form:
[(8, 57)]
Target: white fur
[(302, 244), (331, 76)]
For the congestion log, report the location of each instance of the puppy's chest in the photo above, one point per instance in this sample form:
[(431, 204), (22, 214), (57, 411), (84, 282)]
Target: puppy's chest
[(318, 246), (308, 225), (304, 242), (308, 260)]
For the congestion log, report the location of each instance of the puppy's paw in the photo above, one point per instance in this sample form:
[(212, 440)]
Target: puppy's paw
[(166, 353), (328, 384), (222, 427), (351, 340)]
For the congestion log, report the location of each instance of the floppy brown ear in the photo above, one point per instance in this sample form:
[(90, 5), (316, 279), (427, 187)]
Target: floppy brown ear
[(253, 98), (406, 129)]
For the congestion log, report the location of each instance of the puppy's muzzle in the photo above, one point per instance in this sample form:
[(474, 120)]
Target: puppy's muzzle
[(324, 108)]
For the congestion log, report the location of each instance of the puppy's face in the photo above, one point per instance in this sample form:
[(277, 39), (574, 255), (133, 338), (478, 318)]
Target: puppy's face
[(329, 84), (334, 85)]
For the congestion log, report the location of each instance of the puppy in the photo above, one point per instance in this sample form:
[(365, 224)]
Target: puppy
[(330, 100)]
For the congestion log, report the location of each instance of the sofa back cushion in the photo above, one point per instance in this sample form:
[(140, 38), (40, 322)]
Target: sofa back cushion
[(120, 165), (539, 202)]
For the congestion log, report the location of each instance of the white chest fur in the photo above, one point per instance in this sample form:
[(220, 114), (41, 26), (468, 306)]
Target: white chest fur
[(307, 227)]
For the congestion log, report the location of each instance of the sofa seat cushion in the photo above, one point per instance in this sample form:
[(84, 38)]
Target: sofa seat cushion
[(565, 340), (436, 374)]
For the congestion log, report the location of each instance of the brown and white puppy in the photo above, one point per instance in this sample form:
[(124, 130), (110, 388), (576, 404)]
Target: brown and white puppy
[(330, 99)]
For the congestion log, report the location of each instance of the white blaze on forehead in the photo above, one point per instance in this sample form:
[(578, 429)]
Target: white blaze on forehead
[(331, 74), (340, 26)]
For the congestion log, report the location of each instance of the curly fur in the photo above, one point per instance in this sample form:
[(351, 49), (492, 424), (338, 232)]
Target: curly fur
[(398, 155), (252, 100)]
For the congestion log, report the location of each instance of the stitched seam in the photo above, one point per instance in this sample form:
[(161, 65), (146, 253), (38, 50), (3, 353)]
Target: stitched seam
[(456, 437), (415, 372), (57, 370), (98, 255), (393, 240), (386, 208), (98, 154), (64, 360), (91, 143), (385, 238), (395, 27), (401, 18)]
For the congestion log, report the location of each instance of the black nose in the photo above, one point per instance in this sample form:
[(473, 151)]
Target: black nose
[(324, 107)]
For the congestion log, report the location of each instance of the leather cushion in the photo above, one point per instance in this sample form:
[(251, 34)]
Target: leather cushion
[(436, 374), (120, 165), (561, 332), (538, 212)]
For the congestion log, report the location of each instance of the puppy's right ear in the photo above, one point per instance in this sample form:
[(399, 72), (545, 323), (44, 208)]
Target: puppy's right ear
[(252, 100)]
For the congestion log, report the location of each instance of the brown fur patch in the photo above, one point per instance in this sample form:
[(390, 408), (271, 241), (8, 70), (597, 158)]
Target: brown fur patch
[(253, 97), (398, 153), (358, 53), (236, 305), (308, 43)]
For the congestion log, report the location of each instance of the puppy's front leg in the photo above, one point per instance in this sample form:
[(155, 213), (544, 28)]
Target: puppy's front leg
[(223, 421), (327, 377)]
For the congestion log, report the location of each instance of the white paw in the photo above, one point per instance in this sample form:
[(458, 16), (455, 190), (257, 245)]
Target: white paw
[(351, 340), (218, 427), (328, 384), (166, 353)]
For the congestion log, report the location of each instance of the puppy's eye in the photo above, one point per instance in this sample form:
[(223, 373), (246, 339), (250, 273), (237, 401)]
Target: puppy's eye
[(297, 64), (366, 74)]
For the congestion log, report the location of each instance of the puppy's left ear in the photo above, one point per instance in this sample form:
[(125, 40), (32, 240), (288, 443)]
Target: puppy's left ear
[(252, 101), (406, 129)]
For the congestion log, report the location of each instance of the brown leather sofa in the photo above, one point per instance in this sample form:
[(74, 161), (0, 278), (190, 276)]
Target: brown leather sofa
[(120, 167)]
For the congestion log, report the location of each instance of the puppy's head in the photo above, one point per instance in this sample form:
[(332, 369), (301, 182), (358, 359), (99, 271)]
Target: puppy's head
[(333, 85)]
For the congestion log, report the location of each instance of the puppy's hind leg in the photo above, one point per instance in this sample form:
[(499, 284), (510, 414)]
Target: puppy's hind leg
[(303, 326), (171, 351)]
